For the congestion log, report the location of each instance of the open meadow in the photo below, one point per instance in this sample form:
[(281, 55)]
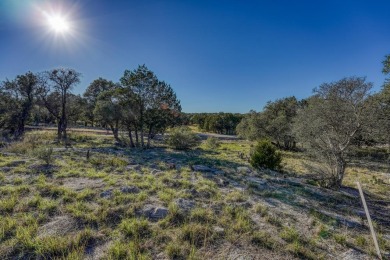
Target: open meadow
[(95, 200)]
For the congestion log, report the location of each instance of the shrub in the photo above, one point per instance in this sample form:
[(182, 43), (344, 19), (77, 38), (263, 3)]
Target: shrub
[(45, 154), (265, 155), (181, 138), (212, 143)]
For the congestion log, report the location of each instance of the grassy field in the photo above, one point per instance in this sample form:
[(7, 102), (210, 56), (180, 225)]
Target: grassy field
[(94, 200)]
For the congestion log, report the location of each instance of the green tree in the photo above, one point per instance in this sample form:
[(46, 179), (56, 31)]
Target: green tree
[(333, 116), (154, 102), (274, 122), (57, 85), (17, 97), (108, 110), (91, 94)]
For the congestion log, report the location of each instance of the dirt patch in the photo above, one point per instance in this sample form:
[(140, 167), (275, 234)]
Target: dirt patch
[(78, 184), (235, 252), (97, 251), (59, 226)]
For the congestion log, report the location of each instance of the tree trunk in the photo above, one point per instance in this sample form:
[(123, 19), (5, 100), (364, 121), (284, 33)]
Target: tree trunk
[(115, 133), (131, 138), (142, 137), (59, 130), (136, 136), (149, 136), (340, 170)]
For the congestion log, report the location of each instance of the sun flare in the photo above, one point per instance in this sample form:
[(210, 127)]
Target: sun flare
[(58, 23)]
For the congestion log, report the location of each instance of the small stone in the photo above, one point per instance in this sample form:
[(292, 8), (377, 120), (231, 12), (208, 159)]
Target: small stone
[(257, 180), (155, 172), (222, 182), (106, 194), (218, 230), (243, 169), (130, 189), (185, 205), (135, 167), (154, 213)]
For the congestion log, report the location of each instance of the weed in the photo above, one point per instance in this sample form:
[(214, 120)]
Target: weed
[(340, 239), (289, 234), (263, 239), (44, 154), (134, 228), (196, 234), (261, 209)]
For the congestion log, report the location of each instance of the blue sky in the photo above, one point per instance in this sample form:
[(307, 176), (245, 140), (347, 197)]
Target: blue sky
[(229, 56)]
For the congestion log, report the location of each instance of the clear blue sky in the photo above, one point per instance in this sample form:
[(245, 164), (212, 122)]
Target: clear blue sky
[(229, 56)]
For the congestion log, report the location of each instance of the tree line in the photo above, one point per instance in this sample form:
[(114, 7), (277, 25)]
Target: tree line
[(337, 116), (140, 104), (220, 123)]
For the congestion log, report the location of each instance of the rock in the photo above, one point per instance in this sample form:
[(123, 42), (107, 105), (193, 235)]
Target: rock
[(353, 254), (155, 172), (106, 194), (202, 168), (130, 189), (256, 180), (222, 182), (154, 213), (185, 205), (135, 167), (243, 169), (219, 172), (218, 230)]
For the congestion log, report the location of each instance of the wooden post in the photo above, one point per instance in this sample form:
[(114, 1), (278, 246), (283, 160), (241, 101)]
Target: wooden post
[(369, 220)]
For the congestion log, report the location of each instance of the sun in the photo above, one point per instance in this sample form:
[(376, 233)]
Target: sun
[(58, 23)]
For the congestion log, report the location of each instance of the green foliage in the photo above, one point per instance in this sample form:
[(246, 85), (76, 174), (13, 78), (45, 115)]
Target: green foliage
[(182, 138), (17, 98), (134, 228), (327, 125), (221, 123), (274, 122), (196, 234), (263, 239), (340, 239), (44, 154), (212, 143), (289, 234), (265, 155)]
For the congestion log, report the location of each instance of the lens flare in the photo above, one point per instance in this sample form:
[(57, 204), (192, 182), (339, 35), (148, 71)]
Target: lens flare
[(58, 23)]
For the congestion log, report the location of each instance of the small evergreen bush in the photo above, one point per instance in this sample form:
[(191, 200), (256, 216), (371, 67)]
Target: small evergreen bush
[(45, 154), (265, 155), (182, 138), (212, 143)]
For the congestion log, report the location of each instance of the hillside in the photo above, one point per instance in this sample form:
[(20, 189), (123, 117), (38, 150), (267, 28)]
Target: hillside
[(94, 200)]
